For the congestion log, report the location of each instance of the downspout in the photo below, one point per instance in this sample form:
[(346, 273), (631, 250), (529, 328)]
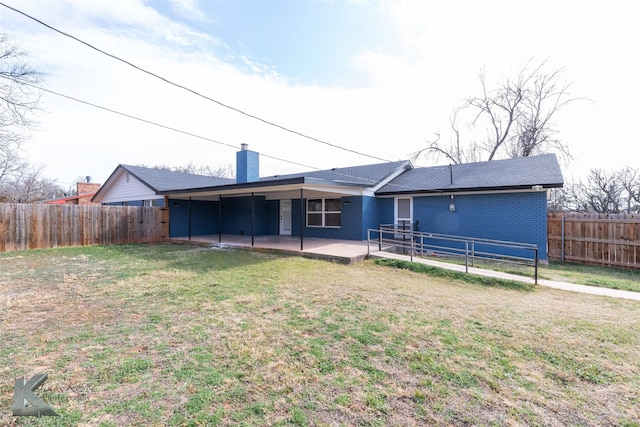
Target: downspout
[(301, 219)]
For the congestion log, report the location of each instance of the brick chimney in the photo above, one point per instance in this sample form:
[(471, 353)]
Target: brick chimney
[(247, 165), (86, 188)]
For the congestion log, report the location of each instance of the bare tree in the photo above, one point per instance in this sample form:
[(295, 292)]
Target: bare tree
[(18, 103), (225, 171), (455, 151), (607, 192), (516, 118), (630, 180), (29, 185)]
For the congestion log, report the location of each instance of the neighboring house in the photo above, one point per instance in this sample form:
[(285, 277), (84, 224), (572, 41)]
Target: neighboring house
[(84, 193), (500, 199)]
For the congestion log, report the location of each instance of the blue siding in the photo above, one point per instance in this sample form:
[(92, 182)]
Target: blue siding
[(516, 217), (236, 215), (358, 213), (272, 219), (204, 218)]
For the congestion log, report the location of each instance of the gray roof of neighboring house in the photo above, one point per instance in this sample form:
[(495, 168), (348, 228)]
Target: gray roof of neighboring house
[(166, 180), (517, 173)]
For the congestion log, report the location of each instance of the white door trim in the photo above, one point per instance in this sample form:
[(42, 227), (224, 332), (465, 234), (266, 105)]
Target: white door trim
[(285, 217), (396, 218)]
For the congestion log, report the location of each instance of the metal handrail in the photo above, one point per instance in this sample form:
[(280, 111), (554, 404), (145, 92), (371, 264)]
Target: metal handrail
[(413, 242)]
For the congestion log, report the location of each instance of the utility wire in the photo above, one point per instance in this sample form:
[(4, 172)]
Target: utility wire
[(193, 91), (149, 121), (399, 186)]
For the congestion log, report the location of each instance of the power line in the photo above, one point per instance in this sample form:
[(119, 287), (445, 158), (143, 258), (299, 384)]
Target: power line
[(177, 130), (150, 122), (286, 129)]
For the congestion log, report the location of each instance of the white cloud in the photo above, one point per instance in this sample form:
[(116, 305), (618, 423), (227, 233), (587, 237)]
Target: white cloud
[(188, 9), (408, 95)]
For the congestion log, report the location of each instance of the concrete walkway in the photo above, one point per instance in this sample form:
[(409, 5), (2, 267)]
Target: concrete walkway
[(348, 251), (593, 290)]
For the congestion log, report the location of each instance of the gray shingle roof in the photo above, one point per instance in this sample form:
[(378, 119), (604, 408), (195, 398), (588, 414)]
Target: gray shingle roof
[(366, 175), (166, 180), (522, 172)]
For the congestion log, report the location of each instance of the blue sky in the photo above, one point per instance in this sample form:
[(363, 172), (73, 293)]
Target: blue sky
[(377, 77), (306, 42)]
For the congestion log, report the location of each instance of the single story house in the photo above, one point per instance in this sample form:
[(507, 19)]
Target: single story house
[(499, 199)]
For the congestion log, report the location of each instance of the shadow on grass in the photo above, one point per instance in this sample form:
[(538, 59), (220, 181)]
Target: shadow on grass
[(456, 275), (192, 258)]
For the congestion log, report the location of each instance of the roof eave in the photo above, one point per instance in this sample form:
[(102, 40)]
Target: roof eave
[(530, 187)]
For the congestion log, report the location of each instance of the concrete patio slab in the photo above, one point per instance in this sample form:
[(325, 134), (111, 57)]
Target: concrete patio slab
[(348, 251)]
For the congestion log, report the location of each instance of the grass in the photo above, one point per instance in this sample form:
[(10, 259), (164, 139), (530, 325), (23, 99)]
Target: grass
[(582, 274), (179, 335)]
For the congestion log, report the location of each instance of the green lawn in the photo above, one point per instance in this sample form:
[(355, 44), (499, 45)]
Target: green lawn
[(581, 274), (182, 335)]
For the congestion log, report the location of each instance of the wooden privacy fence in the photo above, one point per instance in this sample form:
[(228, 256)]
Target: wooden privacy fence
[(603, 239), (35, 226)]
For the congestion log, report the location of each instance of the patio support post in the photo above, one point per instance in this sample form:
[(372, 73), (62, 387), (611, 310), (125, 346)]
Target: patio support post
[(189, 217), (220, 218), (252, 219), (301, 219)]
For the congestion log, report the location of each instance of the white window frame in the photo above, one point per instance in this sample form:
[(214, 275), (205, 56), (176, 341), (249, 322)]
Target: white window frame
[(322, 213)]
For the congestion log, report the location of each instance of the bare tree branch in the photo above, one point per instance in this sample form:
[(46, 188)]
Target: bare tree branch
[(18, 102), (516, 119)]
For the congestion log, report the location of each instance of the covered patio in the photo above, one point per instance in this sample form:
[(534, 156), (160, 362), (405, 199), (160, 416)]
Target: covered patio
[(342, 251)]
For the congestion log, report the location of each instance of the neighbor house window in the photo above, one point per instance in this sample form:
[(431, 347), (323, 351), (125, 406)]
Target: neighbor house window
[(323, 213)]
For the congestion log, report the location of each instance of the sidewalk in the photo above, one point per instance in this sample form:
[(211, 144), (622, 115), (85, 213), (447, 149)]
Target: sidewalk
[(593, 290)]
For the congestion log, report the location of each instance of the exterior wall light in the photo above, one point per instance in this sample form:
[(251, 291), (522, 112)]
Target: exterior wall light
[(537, 187), (452, 205)]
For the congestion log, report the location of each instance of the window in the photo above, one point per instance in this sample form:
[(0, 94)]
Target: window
[(323, 213)]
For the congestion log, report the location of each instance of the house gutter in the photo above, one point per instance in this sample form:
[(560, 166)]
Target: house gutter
[(470, 190)]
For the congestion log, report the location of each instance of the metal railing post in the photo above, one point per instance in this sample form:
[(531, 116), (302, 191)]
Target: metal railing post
[(411, 256), (536, 266), (473, 253), (379, 237)]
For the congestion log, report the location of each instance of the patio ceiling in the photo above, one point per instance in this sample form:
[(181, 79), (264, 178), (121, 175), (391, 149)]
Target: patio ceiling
[(278, 192)]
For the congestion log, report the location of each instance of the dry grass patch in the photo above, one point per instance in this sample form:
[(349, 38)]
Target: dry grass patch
[(177, 335)]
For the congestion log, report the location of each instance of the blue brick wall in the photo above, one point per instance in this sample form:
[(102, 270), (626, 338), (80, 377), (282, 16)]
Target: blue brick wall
[(517, 217), (370, 214), (385, 211), (358, 214)]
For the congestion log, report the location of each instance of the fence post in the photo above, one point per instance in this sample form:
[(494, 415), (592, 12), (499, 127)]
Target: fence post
[(562, 240), (379, 237)]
